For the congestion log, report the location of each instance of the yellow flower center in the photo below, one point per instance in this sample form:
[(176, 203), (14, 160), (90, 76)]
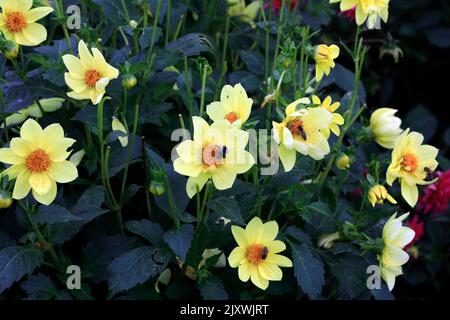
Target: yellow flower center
[(38, 161), (410, 162), (296, 128), (15, 22), (212, 155), (257, 253), (231, 117), (91, 77)]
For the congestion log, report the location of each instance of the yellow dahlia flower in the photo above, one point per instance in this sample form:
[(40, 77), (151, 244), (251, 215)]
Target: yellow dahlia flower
[(324, 56), (257, 255), (411, 163), (337, 121), (385, 127), (34, 111), (38, 160), (244, 13), (88, 75), (377, 194), (392, 257), (234, 106), (18, 22), (217, 152), (300, 132), (370, 10)]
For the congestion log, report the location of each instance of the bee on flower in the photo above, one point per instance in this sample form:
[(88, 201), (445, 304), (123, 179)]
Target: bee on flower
[(395, 238), (324, 56), (301, 131), (366, 10), (257, 255), (411, 163), (88, 75), (234, 106), (38, 161), (18, 22), (217, 152)]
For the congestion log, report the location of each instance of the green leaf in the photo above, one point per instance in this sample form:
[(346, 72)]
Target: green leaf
[(53, 214), (39, 287), (15, 262), (179, 240), (227, 208), (192, 44), (308, 270), (212, 288), (135, 267), (148, 230)]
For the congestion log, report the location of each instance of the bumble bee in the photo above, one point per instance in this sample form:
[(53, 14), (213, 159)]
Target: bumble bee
[(302, 132), (265, 253), (222, 153), (430, 174)]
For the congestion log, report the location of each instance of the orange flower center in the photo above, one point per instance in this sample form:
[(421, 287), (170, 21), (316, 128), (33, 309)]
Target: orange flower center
[(213, 154), (15, 22), (91, 77), (38, 161), (256, 253), (410, 162), (296, 128), (231, 117)]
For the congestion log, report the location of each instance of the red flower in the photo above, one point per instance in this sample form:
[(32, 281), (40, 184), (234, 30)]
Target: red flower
[(437, 195), (418, 227), (276, 4), (349, 14)]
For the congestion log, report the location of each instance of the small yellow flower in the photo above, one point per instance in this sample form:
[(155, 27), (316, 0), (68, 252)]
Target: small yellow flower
[(338, 120), (300, 132), (34, 111), (411, 163), (18, 22), (326, 241), (377, 194), (367, 10), (244, 13), (217, 152), (385, 127), (88, 75), (343, 162), (118, 126), (234, 106), (38, 160), (392, 257), (324, 56), (257, 255)]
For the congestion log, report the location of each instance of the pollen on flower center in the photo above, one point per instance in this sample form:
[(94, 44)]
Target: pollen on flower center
[(255, 253), (91, 77), (212, 155), (38, 161), (15, 22), (410, 162), (231, 117)]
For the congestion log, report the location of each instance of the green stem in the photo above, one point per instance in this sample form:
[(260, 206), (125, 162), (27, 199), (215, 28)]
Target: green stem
[(173, 207), (117, 209), (188, 90), (60, 14), (225, 40), (202, 97), (168, 20), (125, 10)]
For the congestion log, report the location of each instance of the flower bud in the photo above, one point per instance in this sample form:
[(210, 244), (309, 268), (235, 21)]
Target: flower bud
[(157, 188), (133, 24), (343, 162), (385, 127), (5, 200), (10, 50), (377, 194), (326, 241), (129, 81)]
